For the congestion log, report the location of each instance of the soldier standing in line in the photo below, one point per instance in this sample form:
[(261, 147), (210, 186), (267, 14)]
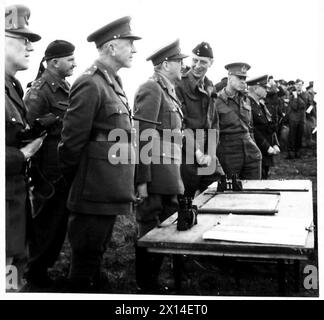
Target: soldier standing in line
[(237, 150), (18, 46), (197, 96), (47, 100), (88, 155), (158, 180), (298, 103), (263, 123)]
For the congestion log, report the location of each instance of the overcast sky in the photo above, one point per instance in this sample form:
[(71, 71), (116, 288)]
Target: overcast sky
[(279, 37)]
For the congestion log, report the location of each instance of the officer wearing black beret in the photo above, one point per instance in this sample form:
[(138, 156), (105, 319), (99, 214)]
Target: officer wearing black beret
[(158, 179), (197, 96), (18, 46), (47, 99), (237, 150), (98, 165), (264, 126)]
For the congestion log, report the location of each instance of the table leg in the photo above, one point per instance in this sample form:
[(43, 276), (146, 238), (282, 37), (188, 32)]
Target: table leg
[(281, 277), (177, 271)]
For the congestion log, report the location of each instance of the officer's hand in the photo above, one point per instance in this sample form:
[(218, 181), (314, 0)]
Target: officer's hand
[(207, 160), (141, 192), (271, 150), (32, 147), (276, 148), (199, 156)]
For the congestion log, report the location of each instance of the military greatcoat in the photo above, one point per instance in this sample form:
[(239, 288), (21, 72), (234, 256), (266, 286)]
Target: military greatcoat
[(156, 100), (98, 105), (16, 188)]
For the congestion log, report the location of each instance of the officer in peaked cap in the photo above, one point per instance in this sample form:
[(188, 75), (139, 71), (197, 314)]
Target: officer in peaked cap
[(118, 29), (197, 96), (260, 81), (237, 151), (100, 190), (263, 122), (16, 22), (159, 182), (238, 69), (47, 100), (170, 52), (283, 82), (18, 151)]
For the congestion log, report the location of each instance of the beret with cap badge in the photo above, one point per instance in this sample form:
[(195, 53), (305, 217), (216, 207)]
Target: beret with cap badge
[(59, 49), (56, 49), (203, 49)]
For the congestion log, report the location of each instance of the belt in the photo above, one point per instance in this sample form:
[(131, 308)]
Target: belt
[(234, 136), (103, 136)]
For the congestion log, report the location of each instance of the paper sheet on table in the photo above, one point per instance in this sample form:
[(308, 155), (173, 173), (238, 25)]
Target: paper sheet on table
[(260, 229)]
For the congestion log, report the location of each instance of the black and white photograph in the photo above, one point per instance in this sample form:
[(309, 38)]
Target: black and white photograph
[(161, 150)]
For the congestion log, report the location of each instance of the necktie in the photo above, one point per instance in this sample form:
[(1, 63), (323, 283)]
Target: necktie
[(266, 112)]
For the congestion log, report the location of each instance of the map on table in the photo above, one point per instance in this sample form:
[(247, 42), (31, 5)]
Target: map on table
[(242, 203)]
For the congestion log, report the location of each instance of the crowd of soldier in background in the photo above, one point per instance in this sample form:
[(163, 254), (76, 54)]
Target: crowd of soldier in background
[(290, 103)]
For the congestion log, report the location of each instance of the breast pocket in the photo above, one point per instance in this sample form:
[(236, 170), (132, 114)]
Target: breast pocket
[(226, 116)]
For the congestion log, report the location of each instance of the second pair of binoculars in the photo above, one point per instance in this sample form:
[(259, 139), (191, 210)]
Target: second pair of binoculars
[(233, 184)]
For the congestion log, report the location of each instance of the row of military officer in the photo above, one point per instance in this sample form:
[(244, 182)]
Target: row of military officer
[(77, 188)]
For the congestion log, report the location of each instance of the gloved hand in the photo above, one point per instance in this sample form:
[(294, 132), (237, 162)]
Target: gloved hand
[(271, 151)]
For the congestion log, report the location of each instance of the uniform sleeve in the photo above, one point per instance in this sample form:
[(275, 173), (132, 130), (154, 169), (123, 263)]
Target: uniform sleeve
[(146, 105), (84, 101), (15, 160), (36, 104)]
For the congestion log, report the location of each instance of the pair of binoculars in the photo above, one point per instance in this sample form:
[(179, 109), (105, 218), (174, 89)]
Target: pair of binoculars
[(234, 184), (187, 213)]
